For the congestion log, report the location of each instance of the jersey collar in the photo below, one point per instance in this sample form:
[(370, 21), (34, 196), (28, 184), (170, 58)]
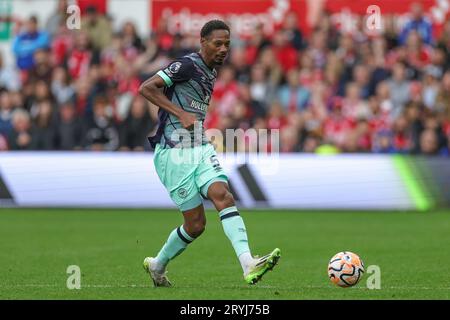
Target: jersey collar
[(212, 69)]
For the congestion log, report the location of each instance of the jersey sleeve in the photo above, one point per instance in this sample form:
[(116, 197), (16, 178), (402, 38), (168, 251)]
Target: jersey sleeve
[(177, 71)]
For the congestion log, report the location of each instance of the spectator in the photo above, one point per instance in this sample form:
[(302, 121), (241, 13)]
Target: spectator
[(401, 136), (292, 31), (6, 111), (276, 117), (57, 18), (361, 77), (42, 69), (97, 27), (429, 142), (383, 96), (284, 51), (272, 68), (178, 48), (136, 127), (81, 57), (101, 133), (226, 90), (400, 89), (41, 93), (353, 106), (61, 86), (20, 138), (28, 42), (318, 49), (43, 130), (69, 128), (163, 37), (9, 78), (311, 143), (382, 143), (413, 115), (152, 60), (417, 54), (256, 108), (257, 42), (260, 88), (17, 99), (337, 127), (132, 43), (431, 122), (292, 96), (391, 31), (417, 23), (431, 86), (307, 71), (62, 45), (83, 97), (443, 96), (242, 69), (289, 139)]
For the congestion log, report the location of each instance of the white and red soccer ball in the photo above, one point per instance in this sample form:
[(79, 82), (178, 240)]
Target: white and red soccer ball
[(345, 269)]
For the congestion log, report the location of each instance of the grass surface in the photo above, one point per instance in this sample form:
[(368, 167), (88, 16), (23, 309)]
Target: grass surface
[(37, 246)]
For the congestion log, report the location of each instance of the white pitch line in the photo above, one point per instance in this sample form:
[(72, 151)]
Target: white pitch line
[(82, 286), (200, 287)]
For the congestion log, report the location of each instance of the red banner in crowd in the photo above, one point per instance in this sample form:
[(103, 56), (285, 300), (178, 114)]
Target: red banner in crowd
[(187, 16), (100, 5)]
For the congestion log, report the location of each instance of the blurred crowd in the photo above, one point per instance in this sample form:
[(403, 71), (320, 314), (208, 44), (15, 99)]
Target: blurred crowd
[(326, 91)]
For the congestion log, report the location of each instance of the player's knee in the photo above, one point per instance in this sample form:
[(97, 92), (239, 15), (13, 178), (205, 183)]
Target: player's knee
[(225, 197), (196, 227), (228, 199)]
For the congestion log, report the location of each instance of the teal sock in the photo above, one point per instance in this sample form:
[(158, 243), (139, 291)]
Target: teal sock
[(175, 244), (234, 228)]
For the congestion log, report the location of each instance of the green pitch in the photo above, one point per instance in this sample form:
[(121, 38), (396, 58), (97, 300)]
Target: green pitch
[(37, 246)]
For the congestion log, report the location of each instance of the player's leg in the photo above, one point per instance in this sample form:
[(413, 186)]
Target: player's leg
[(213, 184), (179, 181), (234, 227), (182, 236), (177, 242), (232, 223)]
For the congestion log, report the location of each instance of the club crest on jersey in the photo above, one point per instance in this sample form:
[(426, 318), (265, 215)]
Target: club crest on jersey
[(182, 193)]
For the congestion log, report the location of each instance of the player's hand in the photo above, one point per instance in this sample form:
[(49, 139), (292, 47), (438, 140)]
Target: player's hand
[(187, 120)]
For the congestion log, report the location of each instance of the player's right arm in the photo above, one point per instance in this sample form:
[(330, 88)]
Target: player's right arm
[(151, 90)]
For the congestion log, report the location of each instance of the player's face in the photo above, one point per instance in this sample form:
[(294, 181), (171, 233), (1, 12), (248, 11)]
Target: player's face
[(216, 46)]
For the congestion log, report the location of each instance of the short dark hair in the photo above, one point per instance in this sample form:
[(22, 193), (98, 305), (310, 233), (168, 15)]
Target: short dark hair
[(212, 25), (91, 9), (34, 19)]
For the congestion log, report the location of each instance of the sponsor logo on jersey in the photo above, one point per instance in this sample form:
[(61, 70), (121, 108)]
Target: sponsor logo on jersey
[(198, 105)]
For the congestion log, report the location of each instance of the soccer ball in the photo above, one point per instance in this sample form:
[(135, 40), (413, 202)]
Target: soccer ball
[(345, 269)]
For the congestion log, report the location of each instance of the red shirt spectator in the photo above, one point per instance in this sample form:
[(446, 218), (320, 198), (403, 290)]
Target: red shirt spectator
[(286, 54), (80, 58), (336, 128), (61, 45), (78, 63)]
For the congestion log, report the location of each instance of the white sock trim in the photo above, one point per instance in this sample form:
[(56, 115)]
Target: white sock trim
[(246, 260), (228, 210)]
